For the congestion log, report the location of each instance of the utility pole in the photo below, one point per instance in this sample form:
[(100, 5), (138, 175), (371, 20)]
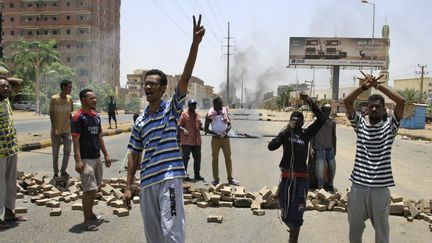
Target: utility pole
[(1, 36), (422, 73), (241, 103), (228, 46)]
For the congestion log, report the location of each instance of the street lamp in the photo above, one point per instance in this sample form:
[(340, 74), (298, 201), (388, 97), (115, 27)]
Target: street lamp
[(373, 31)]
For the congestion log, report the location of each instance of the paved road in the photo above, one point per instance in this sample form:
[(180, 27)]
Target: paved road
[(43, 124), (255, 167)]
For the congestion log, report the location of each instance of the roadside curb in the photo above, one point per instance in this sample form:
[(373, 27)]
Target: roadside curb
[(415, 137), (47, 143)]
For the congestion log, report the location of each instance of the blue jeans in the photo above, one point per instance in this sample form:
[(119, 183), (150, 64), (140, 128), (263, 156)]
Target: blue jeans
[(325, 156), (292, 193), (196, 154)]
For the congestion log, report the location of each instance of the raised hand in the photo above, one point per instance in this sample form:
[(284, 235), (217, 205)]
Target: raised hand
[(370, 81), (198, 30)]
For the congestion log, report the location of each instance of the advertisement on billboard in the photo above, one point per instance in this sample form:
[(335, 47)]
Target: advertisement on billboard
[(327, 51)]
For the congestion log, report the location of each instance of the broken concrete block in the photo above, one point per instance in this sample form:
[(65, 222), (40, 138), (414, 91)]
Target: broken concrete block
[(218, 187), (67, 199), (207, 196), (344, 198), (331, 205), (320, 207), (77, 206), (316, 201), (311, 195), (34, 198), (42, 202), (196, 195), (242, 202), (51, 194), (397, 208), (121, 212), (65, 194), (413, 210), (265, 193), (52, 204), (202, 204), (323, 195), (19, 195), (73, 189), (110, 199), (239, 191), (250, 195), (226, 198), (211, 188), (187, 196), (226, 190), (55, 212), (339, 209), (410, 219), (309, 205), (136, 199), (258, 212), (47, 187), (255, 205), (118, 194), (224, 204), (117, 204), (396, 198), (98, 195), (336, 196), (274, 192), (20, 174), (74, 197), (214, 219), (19, 210), (187, 201), (215, 198), (95, 202)]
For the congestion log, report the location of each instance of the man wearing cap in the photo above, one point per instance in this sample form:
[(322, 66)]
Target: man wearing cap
[(190, 137), (324, 146)]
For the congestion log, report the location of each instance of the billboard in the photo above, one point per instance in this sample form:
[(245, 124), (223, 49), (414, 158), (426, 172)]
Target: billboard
[(328, 51)]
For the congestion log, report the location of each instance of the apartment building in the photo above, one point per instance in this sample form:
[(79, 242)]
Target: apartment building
[(87, 33)]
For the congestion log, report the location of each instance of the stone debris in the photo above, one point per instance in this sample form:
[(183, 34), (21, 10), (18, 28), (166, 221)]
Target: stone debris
[(136, 199), (52, 204), (55, 212), (19, 210), (258, 212), (121, 212), (77, 206), (214, 219)]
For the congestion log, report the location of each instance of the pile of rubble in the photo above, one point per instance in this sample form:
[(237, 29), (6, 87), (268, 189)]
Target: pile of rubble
[(48, 192)]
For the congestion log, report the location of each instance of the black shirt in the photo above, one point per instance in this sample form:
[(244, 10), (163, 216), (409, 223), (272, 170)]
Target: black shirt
[(88, 127)]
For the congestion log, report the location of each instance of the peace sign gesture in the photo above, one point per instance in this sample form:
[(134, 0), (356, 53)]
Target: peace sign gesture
[(370, 81), (198, 30)]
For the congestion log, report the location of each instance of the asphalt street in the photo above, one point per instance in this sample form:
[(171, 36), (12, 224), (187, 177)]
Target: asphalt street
[(255, 167)]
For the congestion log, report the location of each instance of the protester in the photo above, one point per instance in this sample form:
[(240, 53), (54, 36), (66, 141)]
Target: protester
[(190, 140), (162, 170), (293, 186), (324, 149), (8, 154), (112, 111), (369, 196), (220, 122), (87, 143), (61, 106)]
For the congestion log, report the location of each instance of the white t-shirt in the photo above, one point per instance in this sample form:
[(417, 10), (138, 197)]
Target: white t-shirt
[(219, 126)]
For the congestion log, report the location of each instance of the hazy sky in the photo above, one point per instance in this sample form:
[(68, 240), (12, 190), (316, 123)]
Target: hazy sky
[(158, 34)]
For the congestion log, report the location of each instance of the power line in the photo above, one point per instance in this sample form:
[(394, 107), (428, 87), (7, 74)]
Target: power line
[(218, 23), (422, 73), (209, 24)]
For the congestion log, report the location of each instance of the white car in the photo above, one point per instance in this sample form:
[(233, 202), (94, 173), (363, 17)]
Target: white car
[(24, 105)]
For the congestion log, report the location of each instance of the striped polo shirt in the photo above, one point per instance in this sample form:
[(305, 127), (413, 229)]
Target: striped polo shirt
[(156, 134), (372, 167)]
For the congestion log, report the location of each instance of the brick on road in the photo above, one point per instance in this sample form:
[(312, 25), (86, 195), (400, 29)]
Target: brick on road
[(214, 219), (121, 212), (55, 212)]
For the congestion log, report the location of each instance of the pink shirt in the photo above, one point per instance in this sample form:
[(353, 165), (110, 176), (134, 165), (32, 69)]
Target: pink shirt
[(192, 123)]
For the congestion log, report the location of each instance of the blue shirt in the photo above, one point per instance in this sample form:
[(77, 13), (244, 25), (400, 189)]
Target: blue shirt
[(156, 134), (88, 127)]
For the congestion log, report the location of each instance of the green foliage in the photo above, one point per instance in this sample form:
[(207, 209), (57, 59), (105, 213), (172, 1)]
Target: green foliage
[(102, 91), (412, 95), (133, 106), (283, 99)]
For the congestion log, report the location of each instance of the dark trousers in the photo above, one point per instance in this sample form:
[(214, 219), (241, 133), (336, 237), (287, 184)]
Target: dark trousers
[(292, 195), (196, 154), (113, 116)]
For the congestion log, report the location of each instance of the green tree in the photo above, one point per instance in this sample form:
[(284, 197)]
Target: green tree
[(103, 91), (412, 95), (29, 58), (283, 99)]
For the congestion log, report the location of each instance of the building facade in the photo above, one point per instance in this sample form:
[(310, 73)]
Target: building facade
[(414, 83), (87, 33)]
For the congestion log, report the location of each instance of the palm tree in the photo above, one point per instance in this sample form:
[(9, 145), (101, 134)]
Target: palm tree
[(30, 57), (412, 95)]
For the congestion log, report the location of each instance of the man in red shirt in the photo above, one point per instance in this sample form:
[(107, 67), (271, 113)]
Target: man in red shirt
[(190, 137)]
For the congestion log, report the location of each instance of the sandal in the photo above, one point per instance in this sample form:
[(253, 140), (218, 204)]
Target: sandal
[(90, 227), (3, 225)]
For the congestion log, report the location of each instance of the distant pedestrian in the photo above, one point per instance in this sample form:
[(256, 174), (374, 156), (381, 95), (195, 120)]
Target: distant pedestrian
[(190, 137), (8, 154), (369, 197), (162, 170), (60, 109), (220, 122), (112, 111), (324, 148), (293, 186), (88, 142)]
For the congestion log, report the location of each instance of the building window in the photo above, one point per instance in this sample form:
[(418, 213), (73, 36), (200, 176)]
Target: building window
[(68, 31), (45, 18), (45, 32), (12, 19), (29, 5), (12, 32), (11, 5), (54, 4), (54, 32), (30, 33), (54, 18), (68, 59), (67, 17), (68, 46), (68, 4), (325, 96)]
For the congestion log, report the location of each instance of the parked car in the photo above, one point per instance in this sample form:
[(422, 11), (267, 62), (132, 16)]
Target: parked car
[(24, 105), (428, 119)]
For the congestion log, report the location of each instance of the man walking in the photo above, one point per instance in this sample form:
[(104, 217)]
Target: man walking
[(324, 146), (369, 197), (61, 106), (112, 111), (219, 119), (87, 142), (162, 170), (8, 154), (190, 138)]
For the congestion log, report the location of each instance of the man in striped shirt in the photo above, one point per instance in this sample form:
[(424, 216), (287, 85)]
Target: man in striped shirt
[(369, 197), (162, 170)]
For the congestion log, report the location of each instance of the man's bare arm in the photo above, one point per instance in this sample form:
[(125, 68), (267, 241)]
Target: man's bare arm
[(396, 97)]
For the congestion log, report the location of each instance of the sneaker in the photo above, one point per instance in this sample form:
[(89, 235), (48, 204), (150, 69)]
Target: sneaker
[(234, 182), (55, 175), (215, 182), (199, 178)]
